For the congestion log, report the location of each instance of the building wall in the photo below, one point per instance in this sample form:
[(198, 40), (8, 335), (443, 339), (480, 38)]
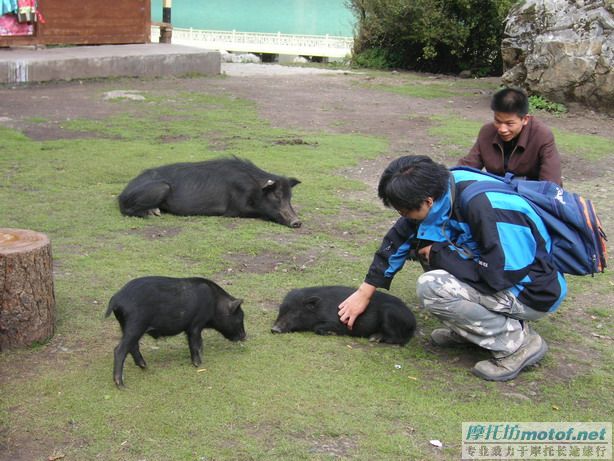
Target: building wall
[(294, 17), (89, 22)]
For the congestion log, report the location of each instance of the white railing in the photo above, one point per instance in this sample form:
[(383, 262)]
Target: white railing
[(258, 42)]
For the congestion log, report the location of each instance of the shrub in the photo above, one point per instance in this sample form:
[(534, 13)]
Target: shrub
[(446, 36), (540, 103), (375, 58)]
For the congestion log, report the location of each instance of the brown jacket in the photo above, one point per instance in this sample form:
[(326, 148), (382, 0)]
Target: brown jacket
[(534, 157)]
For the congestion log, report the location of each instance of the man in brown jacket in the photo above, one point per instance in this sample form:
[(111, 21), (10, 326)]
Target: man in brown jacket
[(515, 142)]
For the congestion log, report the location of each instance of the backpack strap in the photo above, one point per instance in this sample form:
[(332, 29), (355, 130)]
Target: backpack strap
[(452, 199), (503, 184), (479, 187)]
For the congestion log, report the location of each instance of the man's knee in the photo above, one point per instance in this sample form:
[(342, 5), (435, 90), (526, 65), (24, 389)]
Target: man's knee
[(431, 287)]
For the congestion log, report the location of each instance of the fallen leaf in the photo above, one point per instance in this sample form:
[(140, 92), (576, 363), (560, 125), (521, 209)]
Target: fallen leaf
[(554, 407), (201, 370), (55, 457), (436, 443), (413, 377)]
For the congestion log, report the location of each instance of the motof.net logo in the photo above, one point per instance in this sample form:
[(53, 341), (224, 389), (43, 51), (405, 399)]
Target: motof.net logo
[(537, 440)]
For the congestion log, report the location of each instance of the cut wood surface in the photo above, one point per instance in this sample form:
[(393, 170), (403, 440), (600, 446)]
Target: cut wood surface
[(27, 300)]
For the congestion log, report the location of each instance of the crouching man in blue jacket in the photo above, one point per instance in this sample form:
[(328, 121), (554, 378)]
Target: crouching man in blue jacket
[(488, 269)]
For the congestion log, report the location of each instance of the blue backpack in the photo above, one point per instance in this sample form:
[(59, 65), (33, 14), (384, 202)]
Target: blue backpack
[(578, 239)]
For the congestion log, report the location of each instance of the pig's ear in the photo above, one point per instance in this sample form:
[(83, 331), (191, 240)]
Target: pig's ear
[(234, 305), (293, 182), (268, 185), (312, 303)]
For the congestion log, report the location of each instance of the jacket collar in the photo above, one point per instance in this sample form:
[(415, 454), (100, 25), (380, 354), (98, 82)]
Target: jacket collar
[(431, 227)]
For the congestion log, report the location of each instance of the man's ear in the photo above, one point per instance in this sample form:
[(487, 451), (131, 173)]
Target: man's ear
[(312, 303), (525, 120)]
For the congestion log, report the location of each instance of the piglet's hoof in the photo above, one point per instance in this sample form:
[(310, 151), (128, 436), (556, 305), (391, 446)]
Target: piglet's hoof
[(154, 212), (376, 338)]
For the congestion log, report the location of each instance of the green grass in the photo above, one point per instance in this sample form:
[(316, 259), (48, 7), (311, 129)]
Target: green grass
[(420, 86), (456, 134), (286, 397), (589, 147)]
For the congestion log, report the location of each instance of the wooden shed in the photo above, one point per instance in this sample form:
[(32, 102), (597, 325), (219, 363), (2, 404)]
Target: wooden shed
[(86, 22)]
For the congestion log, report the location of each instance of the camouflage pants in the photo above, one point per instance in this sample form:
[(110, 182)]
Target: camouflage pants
[(490, 321)]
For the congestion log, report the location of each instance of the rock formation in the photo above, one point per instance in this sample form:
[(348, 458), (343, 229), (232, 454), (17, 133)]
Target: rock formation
[(562, 50)]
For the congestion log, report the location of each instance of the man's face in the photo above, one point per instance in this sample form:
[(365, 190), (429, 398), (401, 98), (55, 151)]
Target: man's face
[(419, 214), (509, 125)]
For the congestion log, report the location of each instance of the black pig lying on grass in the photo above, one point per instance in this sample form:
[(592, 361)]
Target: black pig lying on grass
[(387, 319), (221, 187), (164, 306)]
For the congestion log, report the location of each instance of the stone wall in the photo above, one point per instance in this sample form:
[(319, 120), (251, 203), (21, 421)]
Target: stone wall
[(562, 50)]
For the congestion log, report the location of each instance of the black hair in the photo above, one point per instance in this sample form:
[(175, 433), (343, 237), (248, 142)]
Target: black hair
[(510, 101), (408, 181)]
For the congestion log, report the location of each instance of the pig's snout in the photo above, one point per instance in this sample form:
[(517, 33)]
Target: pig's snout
[(288, 217), (241, 336), (276, 329)]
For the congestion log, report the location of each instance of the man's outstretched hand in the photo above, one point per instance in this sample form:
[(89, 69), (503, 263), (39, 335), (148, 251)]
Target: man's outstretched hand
[(355, 304)]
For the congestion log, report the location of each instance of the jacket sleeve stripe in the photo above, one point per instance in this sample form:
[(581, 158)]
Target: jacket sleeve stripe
[(518, 244), (397, 260)]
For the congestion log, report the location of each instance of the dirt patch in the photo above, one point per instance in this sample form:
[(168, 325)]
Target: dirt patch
[(263, 263), (53, 131), (294, 142), (155, 233), (338, 104), (166, 139), (257, 264), (336, 447)]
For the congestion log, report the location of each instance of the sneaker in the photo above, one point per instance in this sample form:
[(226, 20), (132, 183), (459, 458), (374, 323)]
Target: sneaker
[(505, 368), (444, 337)]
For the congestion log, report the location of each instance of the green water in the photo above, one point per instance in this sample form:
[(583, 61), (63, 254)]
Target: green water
[(301, 17)]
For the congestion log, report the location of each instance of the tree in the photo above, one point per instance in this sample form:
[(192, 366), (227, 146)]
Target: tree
[(446, 36)]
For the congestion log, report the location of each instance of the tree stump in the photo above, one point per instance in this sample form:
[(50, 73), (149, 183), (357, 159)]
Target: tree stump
[(27, 301)]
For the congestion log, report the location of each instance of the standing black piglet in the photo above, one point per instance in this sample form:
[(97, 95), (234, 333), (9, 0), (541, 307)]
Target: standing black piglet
[(220, 187), (387, 318), (165, 306)]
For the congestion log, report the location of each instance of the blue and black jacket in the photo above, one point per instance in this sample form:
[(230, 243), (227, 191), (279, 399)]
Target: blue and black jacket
[(507, 241)]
